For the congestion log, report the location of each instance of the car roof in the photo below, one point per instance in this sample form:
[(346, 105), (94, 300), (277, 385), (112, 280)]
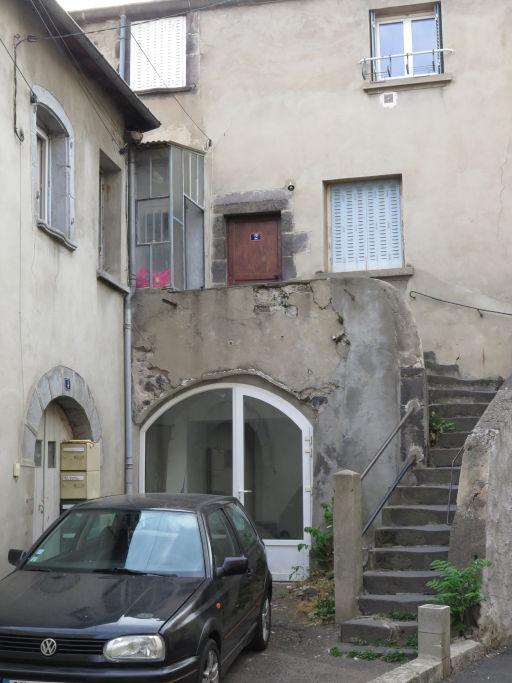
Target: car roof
[(157, 501)]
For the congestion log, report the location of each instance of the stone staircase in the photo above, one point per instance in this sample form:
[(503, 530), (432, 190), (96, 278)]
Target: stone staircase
[(415, 528)]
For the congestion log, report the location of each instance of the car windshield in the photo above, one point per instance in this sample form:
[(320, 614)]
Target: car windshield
[(165, 542)]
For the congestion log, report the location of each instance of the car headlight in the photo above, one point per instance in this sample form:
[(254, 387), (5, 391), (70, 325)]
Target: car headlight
[(135, 649)]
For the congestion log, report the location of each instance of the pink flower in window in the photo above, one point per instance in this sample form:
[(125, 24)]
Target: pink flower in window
[(142, 277), (162, 279)]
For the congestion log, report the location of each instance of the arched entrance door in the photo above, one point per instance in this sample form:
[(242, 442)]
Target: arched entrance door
[(238, 440)]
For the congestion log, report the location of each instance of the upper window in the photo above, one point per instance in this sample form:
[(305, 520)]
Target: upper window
[(365, 225), (53, 154), (170, 218), (158, 54), (405, 44)]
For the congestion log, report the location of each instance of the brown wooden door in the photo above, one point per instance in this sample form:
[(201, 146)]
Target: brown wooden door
[(254, 249)]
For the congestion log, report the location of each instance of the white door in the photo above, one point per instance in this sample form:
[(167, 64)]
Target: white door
[(241, 441), (54, 429)]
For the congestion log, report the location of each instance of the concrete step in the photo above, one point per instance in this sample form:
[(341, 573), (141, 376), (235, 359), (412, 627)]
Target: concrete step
[(391, 582), (435, 475), (434, 494), (431, 534), (377, 629), (415, 515), (405, 558), (464, 424), (443, 457), (454, 410), (460, 396), (406, 603), (393, 646), (429, 356), (451, 439), (434, 368), (444, 382)]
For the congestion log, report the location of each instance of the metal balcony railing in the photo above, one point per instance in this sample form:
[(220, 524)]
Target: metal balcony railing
[(404, 64)]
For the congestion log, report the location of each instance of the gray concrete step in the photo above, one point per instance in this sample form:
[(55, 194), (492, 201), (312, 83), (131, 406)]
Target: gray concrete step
[(433, 494), (460, 396), (406, 603), (405, 558), (452, 439), (391, 582), (444, 382), (377, 629), (415, 515), (429, 356), (443, 457), (454, 410), (464, 424), (432, 534), (434, 368), (435, 475), (377, 647)]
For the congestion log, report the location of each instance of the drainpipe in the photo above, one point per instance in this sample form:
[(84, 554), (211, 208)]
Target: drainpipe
[(122, 46), (128, 444)]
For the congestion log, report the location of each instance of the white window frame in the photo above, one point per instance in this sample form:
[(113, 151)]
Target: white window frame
[(406, 19), (43, 196)]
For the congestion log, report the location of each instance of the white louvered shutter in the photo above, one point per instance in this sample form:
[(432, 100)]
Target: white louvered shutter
[(366, 226), (158, 54)]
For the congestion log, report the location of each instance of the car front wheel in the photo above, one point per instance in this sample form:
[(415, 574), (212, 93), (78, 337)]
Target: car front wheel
[(209, 663), (262, 635)]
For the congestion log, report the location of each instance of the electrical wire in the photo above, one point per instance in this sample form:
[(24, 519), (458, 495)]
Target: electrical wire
[(95, 105), (481, 310), (208, 139), (16, 65)]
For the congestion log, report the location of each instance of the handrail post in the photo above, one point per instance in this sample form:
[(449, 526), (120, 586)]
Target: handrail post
[(348, 556)]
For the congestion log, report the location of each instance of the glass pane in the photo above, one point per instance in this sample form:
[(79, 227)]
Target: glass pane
[(161, 265), (153, 541), (223, 540), (142, 171), (38, 453), (160, 173), (153, 221), (424, 37), (246, 534), (52, 455), (142, 255), (189, 449), (186, 172), (178, 255), (391, 39), (200, 180), (193, 177), (273, 470), (194, 222), (177, 183)]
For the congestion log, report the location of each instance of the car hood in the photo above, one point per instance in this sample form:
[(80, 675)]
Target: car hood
[(100, 603)]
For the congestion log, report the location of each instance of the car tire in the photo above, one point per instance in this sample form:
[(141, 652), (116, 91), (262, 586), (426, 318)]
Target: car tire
[(262, 635), (209, 663)]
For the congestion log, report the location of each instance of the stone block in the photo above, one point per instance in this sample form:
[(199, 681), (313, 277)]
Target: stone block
[(433, 644), (289, 269), (43, 389), (95, 425), (293, 243), (434, 619), (287, 222), (219, 226), (68, 375), (219, 272), (34, 412), (218, 249), (55, 381), (28, 445)]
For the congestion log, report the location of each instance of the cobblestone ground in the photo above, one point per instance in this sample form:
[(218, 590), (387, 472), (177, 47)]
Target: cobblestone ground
[(299, 653)]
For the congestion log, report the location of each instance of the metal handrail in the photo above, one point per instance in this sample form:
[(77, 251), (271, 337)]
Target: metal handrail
[(461, 450), (436, 68), (387, 495), (412, 407)]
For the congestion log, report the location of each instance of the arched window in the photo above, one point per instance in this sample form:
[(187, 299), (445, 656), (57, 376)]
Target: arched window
[(53, 167)]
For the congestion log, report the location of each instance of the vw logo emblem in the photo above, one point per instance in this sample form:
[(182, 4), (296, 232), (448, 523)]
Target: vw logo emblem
[(48, 647)]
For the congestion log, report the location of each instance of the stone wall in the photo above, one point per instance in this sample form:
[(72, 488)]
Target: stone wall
[(483, 521), (335, 348)]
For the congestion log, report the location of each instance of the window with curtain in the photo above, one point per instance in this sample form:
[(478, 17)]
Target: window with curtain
[(158, 54), (366, 225)]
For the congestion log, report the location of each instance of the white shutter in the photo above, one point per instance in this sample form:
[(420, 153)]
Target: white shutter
[(158, 54), (366, 226)]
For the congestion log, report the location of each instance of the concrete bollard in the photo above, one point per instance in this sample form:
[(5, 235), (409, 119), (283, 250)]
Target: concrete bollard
[(434, 634), (348, 556)]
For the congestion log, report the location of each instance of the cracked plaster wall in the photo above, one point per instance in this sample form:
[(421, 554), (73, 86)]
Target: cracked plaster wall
[(333, 347), (483, 520)]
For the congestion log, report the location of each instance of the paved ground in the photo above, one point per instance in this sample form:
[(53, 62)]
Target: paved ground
[(298, 653), (496, 668)]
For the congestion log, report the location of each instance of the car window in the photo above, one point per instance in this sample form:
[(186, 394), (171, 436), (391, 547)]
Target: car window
[(222, 537), (246, 534)]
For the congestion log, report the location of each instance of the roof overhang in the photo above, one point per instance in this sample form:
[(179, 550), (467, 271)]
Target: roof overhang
[(136, 115)]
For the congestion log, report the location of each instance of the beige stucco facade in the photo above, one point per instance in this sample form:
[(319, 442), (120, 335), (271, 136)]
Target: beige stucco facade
[(59, 320), (278, 90)]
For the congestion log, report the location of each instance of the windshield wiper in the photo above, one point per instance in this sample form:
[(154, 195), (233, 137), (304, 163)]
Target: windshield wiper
[(125, 570), (36, 569)]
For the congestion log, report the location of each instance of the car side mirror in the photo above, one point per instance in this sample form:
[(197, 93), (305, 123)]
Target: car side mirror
[(233, 566), (15, 556)]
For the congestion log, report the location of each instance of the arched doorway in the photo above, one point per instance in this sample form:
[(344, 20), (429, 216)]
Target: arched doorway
[(239, 440)]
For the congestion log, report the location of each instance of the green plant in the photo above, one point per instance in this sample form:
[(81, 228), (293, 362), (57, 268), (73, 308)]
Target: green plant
[(335, 651), (439, 425), (364, 654), (398, 615), (322, 543), (296, 572), (324, 609), (395, 656), (460, 589), (412, 640)]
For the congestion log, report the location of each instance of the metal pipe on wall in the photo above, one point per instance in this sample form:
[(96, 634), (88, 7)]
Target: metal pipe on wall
[(128, 465), (122, 46)]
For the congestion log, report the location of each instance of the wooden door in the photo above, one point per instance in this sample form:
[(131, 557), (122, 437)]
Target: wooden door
[(254, 249)]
